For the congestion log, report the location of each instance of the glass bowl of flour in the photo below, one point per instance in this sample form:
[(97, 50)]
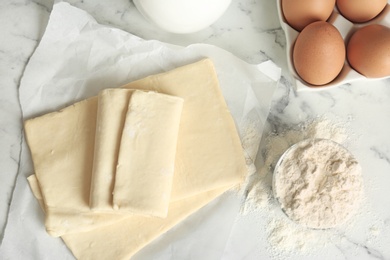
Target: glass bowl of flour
[(318, 183)]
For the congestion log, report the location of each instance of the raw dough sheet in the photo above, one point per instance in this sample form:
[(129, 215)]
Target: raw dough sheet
[(209, 153), (111, 113), (146, 160), (61, 81)]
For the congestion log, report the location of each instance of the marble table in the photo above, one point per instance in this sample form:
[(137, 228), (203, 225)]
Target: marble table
[(250, 30)]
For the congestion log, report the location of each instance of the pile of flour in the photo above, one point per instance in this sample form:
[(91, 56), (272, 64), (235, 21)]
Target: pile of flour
[(258, 184), (318, 183), (285, 236)]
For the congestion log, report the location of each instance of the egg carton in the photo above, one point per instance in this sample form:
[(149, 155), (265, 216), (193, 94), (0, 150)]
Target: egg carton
[(346, 29)]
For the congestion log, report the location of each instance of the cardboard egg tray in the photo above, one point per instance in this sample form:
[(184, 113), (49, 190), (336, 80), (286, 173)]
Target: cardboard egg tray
[(346, 29)]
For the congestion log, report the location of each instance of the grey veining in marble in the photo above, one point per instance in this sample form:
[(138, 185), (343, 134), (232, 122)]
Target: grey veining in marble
[(21, 24), (249, 29)]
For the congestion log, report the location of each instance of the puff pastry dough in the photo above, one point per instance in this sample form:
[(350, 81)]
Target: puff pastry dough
[(209, 160), (146, 160), (111, 113)]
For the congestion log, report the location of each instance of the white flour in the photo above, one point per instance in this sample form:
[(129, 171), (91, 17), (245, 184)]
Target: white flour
[(284, 236), (318, 183), (258, 185)]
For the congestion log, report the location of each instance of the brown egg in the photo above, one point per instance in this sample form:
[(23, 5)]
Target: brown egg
[(319, 53), (360, 11), (368, 51), (300, 13)]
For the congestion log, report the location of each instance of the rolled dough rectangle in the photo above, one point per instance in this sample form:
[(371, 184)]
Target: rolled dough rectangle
[(144, 173), (209, 153), (61, 145), (111, 113)]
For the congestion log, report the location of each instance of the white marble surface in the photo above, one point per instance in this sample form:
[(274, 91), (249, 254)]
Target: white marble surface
[(249, 29)]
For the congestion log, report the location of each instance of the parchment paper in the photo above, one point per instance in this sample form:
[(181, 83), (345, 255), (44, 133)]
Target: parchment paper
[(76, 58)]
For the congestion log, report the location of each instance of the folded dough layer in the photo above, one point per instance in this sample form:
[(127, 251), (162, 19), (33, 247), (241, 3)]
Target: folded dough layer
[(111, 113), (62, 145), (146, 160), (209, 152)]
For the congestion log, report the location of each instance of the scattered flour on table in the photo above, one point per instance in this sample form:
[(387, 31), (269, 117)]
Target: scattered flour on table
[(284, 236), (258, 184)]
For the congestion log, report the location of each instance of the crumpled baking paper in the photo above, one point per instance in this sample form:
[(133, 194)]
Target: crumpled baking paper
[(76, 58)]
